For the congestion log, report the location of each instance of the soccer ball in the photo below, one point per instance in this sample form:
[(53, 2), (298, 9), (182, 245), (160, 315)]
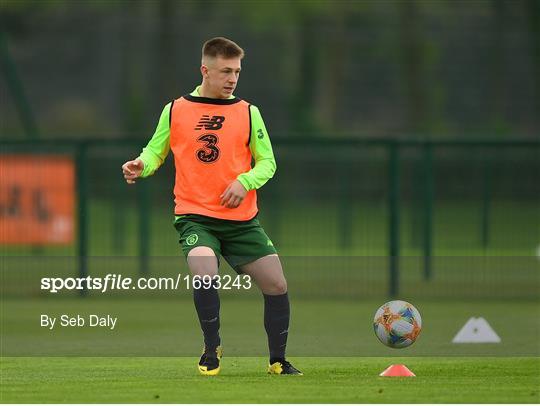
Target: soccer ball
[(397, 324)]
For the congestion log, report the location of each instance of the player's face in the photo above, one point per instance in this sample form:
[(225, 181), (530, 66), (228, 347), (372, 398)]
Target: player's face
[(221, 76)]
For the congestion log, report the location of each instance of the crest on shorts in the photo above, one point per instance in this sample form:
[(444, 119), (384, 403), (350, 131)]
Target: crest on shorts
[(192, 239)]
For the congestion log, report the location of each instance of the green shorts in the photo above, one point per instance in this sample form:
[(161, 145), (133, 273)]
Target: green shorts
[(240, 242)]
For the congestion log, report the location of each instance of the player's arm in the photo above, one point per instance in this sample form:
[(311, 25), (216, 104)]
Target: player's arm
[(265, 163), (261, 149), (154, 154)]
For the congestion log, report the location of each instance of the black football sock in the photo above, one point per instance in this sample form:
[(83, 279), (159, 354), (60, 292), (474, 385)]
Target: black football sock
[(207, 305), (276, 322)]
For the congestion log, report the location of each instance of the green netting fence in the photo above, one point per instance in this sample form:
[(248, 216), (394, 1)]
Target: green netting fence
[(349, 217)]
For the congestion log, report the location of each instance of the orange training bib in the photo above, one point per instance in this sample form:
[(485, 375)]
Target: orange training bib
[(210, 142)]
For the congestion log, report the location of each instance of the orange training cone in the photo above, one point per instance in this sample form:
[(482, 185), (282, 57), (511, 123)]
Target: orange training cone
[(397, 370)]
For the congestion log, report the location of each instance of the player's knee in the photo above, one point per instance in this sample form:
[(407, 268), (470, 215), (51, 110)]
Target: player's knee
[(203, 269), (279, 287)]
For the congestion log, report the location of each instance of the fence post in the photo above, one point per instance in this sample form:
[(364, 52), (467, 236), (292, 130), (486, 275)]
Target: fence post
[(271, 200), (345, 213), (118, 224), (82, 214), (393, 208), (486, 201), (15, 85), (144, 224), (428, 209)]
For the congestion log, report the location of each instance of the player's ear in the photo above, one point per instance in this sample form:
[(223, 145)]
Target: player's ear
[(204, 71)]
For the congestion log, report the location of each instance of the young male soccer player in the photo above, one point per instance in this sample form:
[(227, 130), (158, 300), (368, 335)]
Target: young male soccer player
[(213, 136)]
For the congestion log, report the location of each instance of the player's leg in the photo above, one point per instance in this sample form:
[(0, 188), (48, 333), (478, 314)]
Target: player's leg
[(267, 273), (248, 250), (203, 263), (201, 248)]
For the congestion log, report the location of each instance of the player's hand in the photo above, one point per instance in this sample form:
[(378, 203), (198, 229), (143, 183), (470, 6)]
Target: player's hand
[(233, 195), (132, 170)]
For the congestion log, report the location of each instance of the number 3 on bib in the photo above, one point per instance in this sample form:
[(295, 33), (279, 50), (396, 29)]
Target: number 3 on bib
[(210, 152)]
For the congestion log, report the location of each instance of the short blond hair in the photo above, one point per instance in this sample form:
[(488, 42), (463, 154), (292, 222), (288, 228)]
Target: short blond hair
[(221, 46)]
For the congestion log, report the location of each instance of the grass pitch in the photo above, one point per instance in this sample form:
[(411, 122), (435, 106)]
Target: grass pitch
[(244, 380), (503, 373)]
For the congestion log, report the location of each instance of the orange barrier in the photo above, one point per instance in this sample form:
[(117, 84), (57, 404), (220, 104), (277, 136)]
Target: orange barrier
[(37, 199)]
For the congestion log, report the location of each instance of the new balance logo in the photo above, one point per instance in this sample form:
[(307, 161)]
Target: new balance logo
[(213, 123)]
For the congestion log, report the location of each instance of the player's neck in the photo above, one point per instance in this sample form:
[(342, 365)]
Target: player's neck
[(204, 91)]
